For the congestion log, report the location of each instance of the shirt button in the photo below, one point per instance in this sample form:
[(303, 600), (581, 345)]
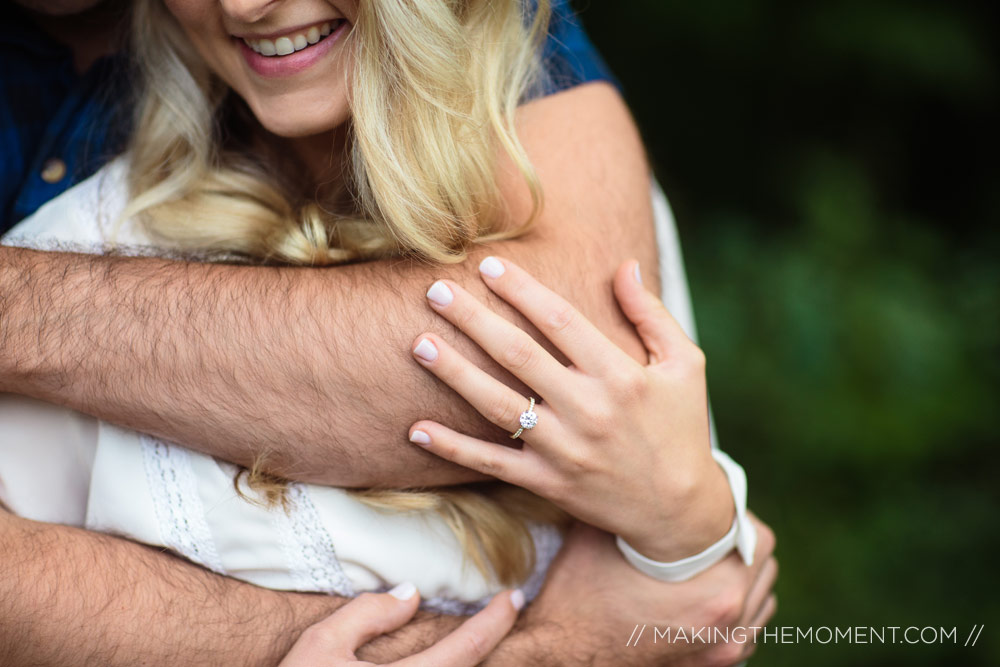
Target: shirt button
[(53, 170)]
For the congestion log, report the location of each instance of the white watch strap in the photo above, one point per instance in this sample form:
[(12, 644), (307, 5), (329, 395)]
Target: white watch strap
[(742, 536)]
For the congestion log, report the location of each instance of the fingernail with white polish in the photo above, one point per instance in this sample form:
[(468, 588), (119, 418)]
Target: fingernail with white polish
[(420, 438), (491, 267), (638, 276), (440, 294), (426, 350), (404, 591), (517, 599)]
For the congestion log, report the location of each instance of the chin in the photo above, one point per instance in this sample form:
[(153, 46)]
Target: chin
[(302, 124)]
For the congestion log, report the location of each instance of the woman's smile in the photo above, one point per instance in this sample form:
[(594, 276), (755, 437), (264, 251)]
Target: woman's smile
[(288, 59), (291, 51)]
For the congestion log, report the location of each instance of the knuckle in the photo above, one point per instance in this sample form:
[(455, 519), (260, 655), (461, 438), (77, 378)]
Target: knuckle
[(366, 599), (465, 317), (519, 287), (630, 383), (726, 608), (560, 318), (474, 645), (503, 412), (369, 601), (766, 539), (698, 358), (519, 354), (600, 421), (489, 465), (451, 369), (321, 636), (446, 447), (691, 359)]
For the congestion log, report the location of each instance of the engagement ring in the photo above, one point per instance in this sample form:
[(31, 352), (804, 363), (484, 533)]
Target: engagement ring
[(528, 420)]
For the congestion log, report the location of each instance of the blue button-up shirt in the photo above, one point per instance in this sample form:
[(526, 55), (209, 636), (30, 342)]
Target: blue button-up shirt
[(58, 126)]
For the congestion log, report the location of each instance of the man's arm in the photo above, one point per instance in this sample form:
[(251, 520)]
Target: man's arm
[(311, 367), (72, 597)]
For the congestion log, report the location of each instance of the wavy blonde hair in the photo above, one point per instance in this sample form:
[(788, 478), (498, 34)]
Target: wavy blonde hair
[(429, 119)]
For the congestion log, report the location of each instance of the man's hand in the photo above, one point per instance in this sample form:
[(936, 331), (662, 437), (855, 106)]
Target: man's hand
[(311, 367), (592, 601)]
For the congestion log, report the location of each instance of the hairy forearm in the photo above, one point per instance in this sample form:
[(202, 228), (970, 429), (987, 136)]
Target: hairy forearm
[(71, 597), (311, 367)]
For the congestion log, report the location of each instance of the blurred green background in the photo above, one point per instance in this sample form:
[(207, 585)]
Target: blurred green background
[(835, 173)]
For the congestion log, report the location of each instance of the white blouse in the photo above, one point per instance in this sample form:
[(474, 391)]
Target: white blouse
[(60, 466)]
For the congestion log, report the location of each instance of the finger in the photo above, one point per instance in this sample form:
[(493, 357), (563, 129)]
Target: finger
[(765, 545), (359, 621), (732, 572), (505, 463), (765, 613), (491, 398), (658, 329), (761, 619), (561, 323), (732, 568), (508, 344), (760, 589), (474, 639)]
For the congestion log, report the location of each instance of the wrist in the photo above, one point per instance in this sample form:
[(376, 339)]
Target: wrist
[(698, 518)]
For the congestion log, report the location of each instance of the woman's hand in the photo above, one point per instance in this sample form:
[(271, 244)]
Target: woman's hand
[(621, 446), (333, 641)]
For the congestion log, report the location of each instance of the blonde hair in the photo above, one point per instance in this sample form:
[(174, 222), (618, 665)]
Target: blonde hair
[(428, 116), (429, 119)]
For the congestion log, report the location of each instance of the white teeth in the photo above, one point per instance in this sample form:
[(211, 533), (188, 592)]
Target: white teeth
[(289, 44)]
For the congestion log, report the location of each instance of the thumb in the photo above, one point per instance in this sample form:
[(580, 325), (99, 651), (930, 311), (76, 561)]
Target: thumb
[(657, 328), (338, 636)]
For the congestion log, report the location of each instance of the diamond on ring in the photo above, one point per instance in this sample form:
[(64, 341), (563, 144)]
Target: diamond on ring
[(527, 420)]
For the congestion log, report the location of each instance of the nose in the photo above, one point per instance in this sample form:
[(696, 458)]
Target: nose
[(248, 11)]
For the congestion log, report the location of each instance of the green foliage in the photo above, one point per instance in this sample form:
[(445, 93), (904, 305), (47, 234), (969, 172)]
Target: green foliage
[(834, 173)]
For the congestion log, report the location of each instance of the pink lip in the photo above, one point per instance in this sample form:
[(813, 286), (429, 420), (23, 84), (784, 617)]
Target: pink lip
[(279, 66)]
